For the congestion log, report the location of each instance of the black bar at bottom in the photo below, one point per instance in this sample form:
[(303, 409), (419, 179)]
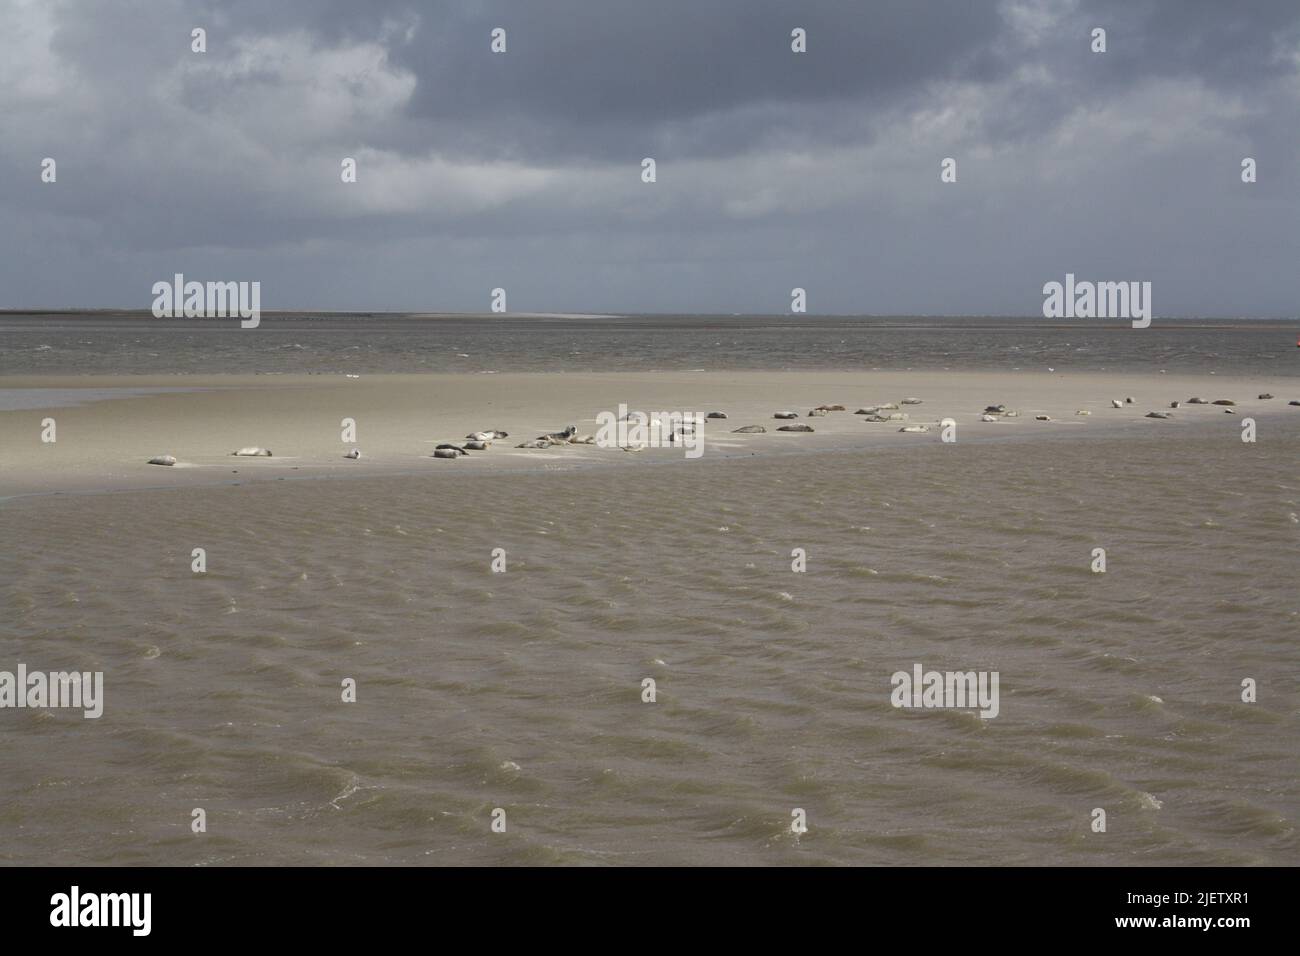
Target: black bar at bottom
[(646, 907)]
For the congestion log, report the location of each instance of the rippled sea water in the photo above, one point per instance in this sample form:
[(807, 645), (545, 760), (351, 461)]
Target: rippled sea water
[(522, 690), (114, 344)]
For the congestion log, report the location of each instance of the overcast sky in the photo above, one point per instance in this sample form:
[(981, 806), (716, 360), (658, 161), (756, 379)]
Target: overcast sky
[(775, 169)]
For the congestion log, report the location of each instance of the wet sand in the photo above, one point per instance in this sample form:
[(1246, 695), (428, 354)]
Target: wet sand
[(105, 444)]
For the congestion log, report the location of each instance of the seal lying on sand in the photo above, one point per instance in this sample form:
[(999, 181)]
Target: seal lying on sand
[(354, 454), (554, 438), (795, 428), (491, 435), (162, 460), (447, 446), (750, 430), (478, 445), (447, 452), (915, 428), (716, 415), (786, 415), (253, 452)]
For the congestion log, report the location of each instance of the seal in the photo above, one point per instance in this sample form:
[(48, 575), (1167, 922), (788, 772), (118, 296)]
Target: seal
[(750, 430), (253, 451), (786, 415), (716, 415), (446, 452), (354, 454), (478, 445), (795, 428), (162, 460)]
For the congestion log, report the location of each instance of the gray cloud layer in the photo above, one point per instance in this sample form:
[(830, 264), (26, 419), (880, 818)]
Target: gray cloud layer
[(776, 169)]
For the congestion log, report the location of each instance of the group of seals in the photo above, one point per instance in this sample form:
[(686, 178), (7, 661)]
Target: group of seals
[(474, 441), (568, 436), (482, 440)]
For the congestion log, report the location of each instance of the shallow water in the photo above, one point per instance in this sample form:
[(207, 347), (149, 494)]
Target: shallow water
[(339, 343), (522, 690)]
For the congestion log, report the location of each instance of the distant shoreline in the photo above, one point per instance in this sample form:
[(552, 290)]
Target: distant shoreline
[(901, 319)]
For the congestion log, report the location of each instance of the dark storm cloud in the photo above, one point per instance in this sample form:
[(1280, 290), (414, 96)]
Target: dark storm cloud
[(774, 168)]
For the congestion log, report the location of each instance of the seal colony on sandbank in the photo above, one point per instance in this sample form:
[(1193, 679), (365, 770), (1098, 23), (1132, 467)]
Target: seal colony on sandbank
[(882, 413)]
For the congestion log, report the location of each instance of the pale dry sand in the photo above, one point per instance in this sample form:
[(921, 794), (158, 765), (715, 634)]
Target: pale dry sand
[(105, 445)]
